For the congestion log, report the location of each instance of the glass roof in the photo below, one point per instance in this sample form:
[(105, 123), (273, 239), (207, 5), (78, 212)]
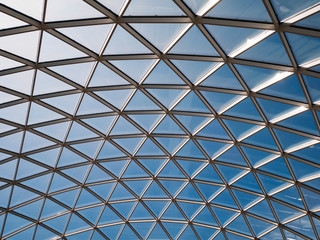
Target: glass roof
[(159, 119)]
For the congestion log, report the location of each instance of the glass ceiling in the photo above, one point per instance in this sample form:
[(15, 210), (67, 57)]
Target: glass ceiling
[(159, 119)]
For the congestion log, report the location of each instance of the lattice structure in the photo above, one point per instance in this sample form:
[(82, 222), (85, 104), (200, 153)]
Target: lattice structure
[(159, 119)]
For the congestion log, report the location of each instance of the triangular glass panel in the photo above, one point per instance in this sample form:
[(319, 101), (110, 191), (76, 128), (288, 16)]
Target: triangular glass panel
[(192, 123), (123, 126), (137, 100), (312, 85), (16, 113), (137, 186), (271, 184), (171, 170), (291, 196), (303, 225), (240, 9), (304, 48), (290, 141), (76, 223), (129, 144), (205, 217), (244, 109), (57, 131), (167, 97), (120, 193), (240, 130), (310, 153), (224, 198), (192, 103), (155, 191), (78, 132), (269, 50), (103, 190), (245, 199), (115, 167), (133, 170), (224, 215), (158, 233), (51, 208), (78, 72), (191, 167), (53, 48), (275, 111), (135, 69), (153, 8), (287, 88), (88, 148), (311, 198), (140, 213), (97, 175), (41, 114), (220, 101), (147, 121), (77, 173), (277, 167), (222, 78), (45, 83), (89, 105), (256, 157), (84, 235), (123, 42), (232, 155), (109, 151), (239, 225), (47, 157), (232, 38), (91, 37), (204, 232), (5, 97), (284, 213), (189, 193), (58, 183), (112, 231), (114, 5), (27, 233), (23, 44), (214, 130), (157, 207), (249, 182), (159, 34), (27, 168), (302, 122), (7, 63), (173, 187), (162, 74), (102, 124), (194, 43), (302, 170), (171, 144), (213, 148), (21, 81), (33, 141), (4, 197), (168, 125), (262, 138), (143, 228), (103, 76), (57, 11), (109, 216), (198, 6), (14, 223), (124, 208), (190, 150), (39, 183), (149, 148), (262, 209), (209, 174), (65, 103), (127, 233), (190, 209), (12, 142), (208, 190), (173, 228), (188, 233), (86, 199), (230, 173), (20, 195), (194, 70), (68, 157)]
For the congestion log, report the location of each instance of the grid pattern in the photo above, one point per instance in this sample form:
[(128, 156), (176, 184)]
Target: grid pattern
[(159, 119)]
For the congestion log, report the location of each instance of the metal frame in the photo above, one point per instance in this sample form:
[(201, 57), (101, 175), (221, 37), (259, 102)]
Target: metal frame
[(111, 18)]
